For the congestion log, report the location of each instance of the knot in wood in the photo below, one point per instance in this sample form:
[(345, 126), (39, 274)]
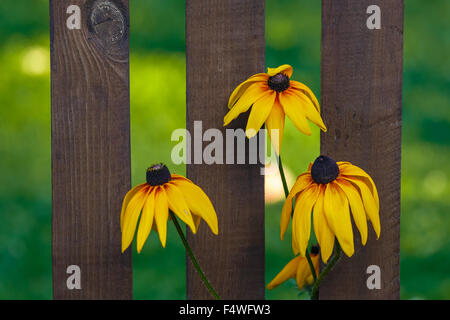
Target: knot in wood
[(107, 21)]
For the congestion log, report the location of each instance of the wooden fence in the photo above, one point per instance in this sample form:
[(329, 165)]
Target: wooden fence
[(225, 43), (361, 100)]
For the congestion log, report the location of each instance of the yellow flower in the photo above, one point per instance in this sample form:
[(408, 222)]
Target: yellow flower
[(273, 95), (163, 191), (330, 190), (299, 269)]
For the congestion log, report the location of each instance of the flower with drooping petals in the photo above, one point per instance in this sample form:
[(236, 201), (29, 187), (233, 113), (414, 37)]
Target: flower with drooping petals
[(271, 96), (151, 201), (333, 192)]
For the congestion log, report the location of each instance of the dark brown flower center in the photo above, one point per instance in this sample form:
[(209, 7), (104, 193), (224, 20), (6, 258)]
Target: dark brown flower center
[(158, 174), (278, 82), (315, 249), (324, 170)]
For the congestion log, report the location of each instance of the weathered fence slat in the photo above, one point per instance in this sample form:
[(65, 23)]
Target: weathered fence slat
[(361, 99), (90, 146), (224, 46)]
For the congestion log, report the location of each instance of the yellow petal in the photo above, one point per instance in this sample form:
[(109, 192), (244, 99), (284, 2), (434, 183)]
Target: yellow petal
[(161, 214), (198, 202), (309, 109), (131, 217), (338, 217), (346, 168), (357, 207), (315, 261), (317, 214), (303, 181), (369, 203), (146, 222), (324, 235), (284, 69), (293, 109), (307, 91), (254, 92), (303, 272), (286, 273), (295, 246), (126, 200), (175, 176), (260, 111), (275, 121), (241, 88), (302, 216), (178, 206)]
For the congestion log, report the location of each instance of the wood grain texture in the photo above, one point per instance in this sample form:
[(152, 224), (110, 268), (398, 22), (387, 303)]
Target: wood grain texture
[(224, 46), (361, 100), (90, 147)]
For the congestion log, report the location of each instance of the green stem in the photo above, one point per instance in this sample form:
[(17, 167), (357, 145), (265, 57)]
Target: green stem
[(192, 257), (283, 178), (311, 266), (328, 268), (286, 192)]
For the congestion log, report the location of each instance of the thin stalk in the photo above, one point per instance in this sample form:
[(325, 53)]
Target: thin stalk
[(311, 266), (283, 178), (286, 193), (328, 268), (193, 259)]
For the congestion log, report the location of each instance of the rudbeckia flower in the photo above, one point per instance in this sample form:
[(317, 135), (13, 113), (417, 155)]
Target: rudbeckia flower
[(298, 269), (273, 95), (331, 191), (151, 201)]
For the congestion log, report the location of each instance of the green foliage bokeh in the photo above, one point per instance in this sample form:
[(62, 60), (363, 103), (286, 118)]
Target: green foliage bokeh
[(157, 65)]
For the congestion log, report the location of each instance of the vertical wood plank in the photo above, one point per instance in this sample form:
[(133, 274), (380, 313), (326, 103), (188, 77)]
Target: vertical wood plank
[(224, 46), (90, 147), (361, 100)]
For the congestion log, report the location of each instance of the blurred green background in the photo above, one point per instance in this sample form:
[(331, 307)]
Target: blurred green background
[(157, 52)]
